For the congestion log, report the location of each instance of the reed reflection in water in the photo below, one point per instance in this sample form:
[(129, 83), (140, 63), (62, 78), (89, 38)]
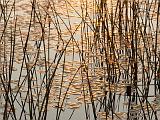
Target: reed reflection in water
[(85, 59)]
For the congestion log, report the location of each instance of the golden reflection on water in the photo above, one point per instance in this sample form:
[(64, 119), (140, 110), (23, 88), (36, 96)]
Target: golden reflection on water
[(96, 62)]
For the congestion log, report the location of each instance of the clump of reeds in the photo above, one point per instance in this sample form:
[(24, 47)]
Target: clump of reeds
[(106, 64)]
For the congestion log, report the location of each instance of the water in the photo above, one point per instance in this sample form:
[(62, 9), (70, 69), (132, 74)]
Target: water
[(69, 60)]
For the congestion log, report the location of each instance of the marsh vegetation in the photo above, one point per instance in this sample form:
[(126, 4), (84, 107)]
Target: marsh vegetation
[(80, 59)]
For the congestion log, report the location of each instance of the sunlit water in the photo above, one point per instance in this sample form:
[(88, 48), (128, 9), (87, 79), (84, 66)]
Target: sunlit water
[(66, 28)]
